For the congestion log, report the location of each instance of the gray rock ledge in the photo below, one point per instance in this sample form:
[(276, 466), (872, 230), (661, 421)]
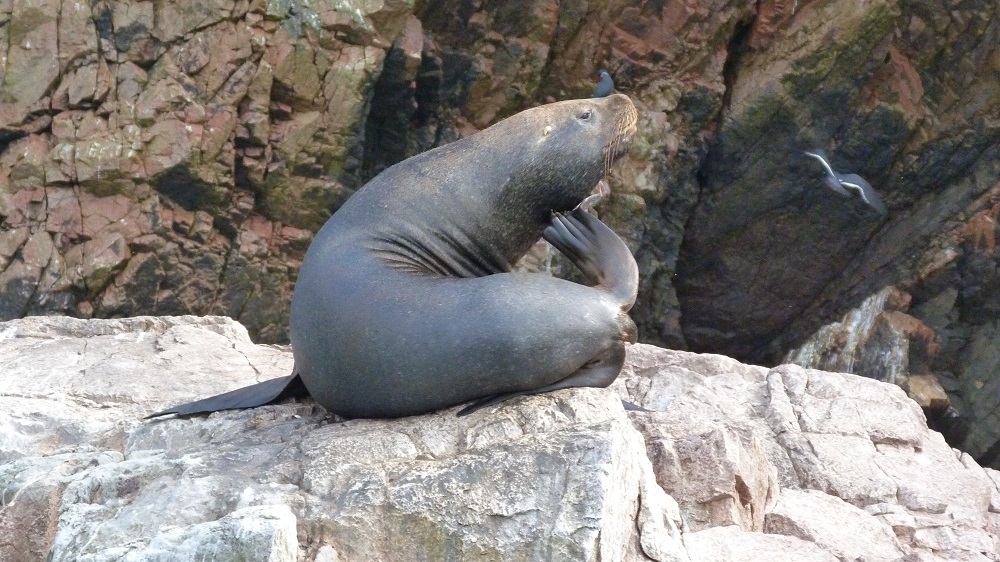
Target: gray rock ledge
[(736, 463)]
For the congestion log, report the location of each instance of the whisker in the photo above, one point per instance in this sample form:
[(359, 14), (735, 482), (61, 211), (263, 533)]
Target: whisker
[(625, 125)]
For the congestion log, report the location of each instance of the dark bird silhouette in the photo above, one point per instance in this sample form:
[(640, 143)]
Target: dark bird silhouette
[(850, 184), (605, 86)]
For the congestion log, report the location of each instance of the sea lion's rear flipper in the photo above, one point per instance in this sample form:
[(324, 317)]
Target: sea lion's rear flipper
[(633, 407), (258, 394), (598, 252), (600, 372)]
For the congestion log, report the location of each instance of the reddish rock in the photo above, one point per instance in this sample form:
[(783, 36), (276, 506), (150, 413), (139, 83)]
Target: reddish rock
[(63, 212), (32, 43), (92, 264)]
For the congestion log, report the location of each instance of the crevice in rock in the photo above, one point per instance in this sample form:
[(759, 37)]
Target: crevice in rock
[(553, 53), (7, 137), (254, 58), (743, 491), (430, 78), (184, 188), (283, 101), (59, 50), (991, 454), (636, 527), (739, 45), (221, 280), (393, 105)]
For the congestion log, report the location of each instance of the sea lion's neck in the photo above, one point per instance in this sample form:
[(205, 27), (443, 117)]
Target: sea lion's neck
[(456, 236), (473, 211)]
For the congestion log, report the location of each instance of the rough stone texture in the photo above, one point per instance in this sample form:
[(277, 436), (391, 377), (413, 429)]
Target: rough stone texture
[(735, 462), (906, 94), (164, 158), (943, 357), (169, 157), (729, 544), (883, 87), (835, 525)]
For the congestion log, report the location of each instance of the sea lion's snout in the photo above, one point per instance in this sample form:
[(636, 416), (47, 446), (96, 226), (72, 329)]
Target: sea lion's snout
[(626, 118), (624, 111)]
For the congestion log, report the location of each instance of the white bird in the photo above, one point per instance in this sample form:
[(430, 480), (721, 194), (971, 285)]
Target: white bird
[(841, 183)]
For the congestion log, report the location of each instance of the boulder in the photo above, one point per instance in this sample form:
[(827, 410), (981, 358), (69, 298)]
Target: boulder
[(216, 138), (730, 462)]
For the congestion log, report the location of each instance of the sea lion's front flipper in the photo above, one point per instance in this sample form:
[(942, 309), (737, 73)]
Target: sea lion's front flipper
[(258, 394), (601, 192), (598, 252), (600, 372)]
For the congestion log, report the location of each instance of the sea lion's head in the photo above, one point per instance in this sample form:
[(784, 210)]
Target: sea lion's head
[(500, 186), (580, 129), (566, 148)]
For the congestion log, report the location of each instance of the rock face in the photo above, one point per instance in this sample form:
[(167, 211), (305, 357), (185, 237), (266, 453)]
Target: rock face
[(907, 95), (940, 346), (169, 158), (734, 462), (770, 254)]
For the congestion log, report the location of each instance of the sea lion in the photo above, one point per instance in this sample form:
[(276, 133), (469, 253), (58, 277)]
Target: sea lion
[(406, 303)]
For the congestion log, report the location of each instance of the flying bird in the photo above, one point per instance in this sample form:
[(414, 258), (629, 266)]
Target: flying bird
[(605, 86), (849, 184)]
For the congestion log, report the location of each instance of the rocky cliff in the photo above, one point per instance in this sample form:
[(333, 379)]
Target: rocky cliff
[(175, 158), (732, 463), (169, 158)]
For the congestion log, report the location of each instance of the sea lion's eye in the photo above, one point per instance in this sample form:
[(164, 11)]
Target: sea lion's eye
[(586, 114)]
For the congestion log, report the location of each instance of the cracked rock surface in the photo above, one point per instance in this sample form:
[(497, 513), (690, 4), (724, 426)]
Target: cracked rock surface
[(172, 158), (732, 462), (176, 158)]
